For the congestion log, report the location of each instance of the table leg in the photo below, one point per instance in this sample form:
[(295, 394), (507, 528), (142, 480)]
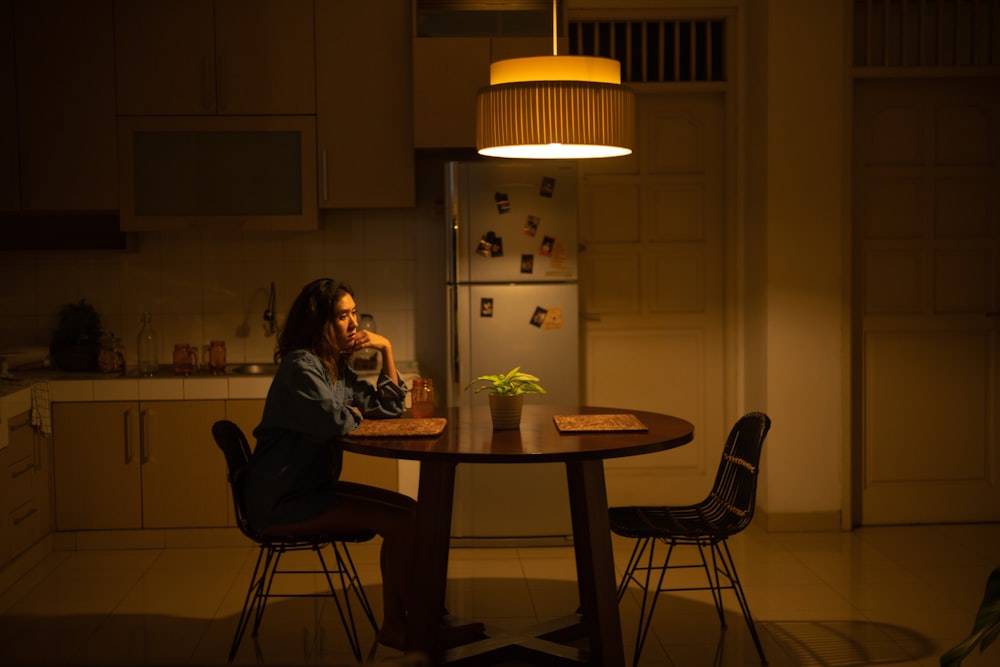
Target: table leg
[(430, 574), (595, 568)]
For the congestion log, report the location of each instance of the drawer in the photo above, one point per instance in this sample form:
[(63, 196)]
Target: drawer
[(27, 526), (20, 482)]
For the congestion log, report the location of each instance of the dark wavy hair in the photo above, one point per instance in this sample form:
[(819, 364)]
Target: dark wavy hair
[(305, 328)]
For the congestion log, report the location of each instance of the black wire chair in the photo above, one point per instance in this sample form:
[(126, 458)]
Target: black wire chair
[(706, 525), (233, 443)]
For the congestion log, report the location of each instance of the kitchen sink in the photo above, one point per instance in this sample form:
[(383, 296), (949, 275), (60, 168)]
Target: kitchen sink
[(254, 369)]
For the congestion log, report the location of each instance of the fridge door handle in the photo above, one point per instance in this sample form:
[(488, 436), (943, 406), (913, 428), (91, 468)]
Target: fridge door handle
[(591, 317)]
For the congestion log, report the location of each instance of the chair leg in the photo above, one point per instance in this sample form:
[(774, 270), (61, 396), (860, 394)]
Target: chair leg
[(646, 614), (730, 571), (633, 562), (249, 603), (346, 619), (346, 566), (712, 574), (271, 562)]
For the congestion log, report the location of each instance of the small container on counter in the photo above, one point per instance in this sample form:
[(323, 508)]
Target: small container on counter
[(422, 398), (111, 356), (147, 347), (185, 359), (217, 357)]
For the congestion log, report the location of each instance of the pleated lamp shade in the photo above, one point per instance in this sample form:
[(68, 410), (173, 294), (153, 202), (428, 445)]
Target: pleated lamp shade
[(555, 107)]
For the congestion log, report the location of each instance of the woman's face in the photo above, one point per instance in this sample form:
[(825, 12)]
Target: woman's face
[(345, 322)]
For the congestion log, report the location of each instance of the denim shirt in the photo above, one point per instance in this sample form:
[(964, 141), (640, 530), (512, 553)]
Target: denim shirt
[(298, 458)]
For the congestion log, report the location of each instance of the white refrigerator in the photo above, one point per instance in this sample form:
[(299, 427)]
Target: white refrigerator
[(512, 301)]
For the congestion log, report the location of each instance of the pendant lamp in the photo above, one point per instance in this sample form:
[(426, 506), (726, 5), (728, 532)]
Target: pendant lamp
[(555, 107)]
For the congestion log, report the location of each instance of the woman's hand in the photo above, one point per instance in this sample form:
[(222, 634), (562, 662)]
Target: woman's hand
[(364, 338)]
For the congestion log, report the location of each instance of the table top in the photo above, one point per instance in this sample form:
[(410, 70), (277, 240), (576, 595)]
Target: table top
[(469, 437)]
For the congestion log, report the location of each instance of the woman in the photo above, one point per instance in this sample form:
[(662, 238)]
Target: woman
[(292, 481)]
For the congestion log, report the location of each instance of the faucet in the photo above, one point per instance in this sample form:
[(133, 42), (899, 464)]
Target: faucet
[(271, 325)]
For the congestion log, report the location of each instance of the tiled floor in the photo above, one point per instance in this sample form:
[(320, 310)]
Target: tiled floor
[(875, 596)]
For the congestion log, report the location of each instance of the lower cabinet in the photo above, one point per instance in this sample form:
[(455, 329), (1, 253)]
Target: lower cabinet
[(139, 465), (25, 488)]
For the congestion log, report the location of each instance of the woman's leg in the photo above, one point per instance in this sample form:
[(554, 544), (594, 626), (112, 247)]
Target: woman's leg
[(362, 508)]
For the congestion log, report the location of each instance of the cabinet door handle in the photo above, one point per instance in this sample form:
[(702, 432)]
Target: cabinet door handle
[(209, 83), (326, 186), (128, 436), (25, 516), (25, 469), (144, 438), (223, 101)]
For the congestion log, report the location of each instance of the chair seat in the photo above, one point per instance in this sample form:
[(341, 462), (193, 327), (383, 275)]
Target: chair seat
[(687, 522)]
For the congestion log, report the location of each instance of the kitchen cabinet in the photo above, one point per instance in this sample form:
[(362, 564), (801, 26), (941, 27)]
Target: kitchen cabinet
[(364, 112), (27, 488), (10, 187), (447, 75), (179, 57), (125, 464), (65, 91)]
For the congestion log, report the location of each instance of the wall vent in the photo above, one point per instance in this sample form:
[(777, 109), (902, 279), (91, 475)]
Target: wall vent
[(656, 51), (926, 33)]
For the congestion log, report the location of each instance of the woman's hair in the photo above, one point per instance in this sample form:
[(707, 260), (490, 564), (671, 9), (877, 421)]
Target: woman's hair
[(305, 328)]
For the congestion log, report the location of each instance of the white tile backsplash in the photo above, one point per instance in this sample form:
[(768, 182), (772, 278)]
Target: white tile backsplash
[(205, 285)]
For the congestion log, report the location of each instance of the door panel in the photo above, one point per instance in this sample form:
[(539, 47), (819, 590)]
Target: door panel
[(652, 297), (927, 224)]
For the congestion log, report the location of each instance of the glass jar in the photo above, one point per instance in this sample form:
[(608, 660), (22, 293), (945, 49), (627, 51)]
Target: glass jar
[(422, 398), (185, 359), (217, 357), (111, 357)]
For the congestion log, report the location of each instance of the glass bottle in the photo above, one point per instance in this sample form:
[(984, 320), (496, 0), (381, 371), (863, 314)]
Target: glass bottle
[(147, 347), (367, 359), (422, 398)]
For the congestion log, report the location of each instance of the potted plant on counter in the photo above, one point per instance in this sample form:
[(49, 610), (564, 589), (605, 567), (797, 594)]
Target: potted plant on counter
[(77, 338), (507, 392)]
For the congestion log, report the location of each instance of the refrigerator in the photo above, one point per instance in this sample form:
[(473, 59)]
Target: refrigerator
[(512, 301)]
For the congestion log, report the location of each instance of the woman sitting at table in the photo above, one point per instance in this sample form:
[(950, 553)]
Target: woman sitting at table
[(292, 481)]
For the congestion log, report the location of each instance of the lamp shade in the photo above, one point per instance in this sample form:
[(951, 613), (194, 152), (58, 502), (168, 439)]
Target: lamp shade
[(555, 107)]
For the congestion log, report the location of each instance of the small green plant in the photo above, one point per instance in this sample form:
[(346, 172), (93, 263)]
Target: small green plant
[(986, 628), (79, 324), (512, 383)]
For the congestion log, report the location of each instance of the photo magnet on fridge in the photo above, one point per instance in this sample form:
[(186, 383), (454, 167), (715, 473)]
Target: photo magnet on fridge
[(486, 307), (547, 243), (531, 225), (503, 202), (554, 319), (548, 185), (539, 317), (527, 263)]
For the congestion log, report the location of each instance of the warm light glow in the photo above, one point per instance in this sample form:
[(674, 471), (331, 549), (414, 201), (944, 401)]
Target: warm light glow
[(555, 151), (556, 68)]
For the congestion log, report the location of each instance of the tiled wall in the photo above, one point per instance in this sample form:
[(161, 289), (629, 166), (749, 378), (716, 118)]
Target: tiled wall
[(209, 285)]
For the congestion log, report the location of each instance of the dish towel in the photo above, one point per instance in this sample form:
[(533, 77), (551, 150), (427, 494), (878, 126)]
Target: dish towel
[(41, 408)]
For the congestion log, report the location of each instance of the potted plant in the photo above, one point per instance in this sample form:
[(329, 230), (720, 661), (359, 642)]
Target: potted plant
[(507, 392), (77, 338), (986, 628)]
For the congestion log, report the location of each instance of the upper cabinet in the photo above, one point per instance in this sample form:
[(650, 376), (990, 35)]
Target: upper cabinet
[(447, 75), (65, 90), (364, 103), (230, 57), (10, 188)]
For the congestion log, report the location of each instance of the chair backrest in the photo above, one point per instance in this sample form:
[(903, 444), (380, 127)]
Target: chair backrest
[(735, 490), (233, 443)]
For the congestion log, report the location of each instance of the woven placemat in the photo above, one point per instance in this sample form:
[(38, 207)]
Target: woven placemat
[(399, 428), (598, 423)]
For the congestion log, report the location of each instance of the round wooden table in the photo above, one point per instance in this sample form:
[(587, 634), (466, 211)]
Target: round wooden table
[(469, 438)]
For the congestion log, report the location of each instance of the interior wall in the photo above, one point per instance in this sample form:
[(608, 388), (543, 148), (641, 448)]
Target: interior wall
[(803, 212)]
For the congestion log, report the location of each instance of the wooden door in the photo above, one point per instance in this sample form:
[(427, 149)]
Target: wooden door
[(183, 476), (652, 247), (96, 458), (927, 225)]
